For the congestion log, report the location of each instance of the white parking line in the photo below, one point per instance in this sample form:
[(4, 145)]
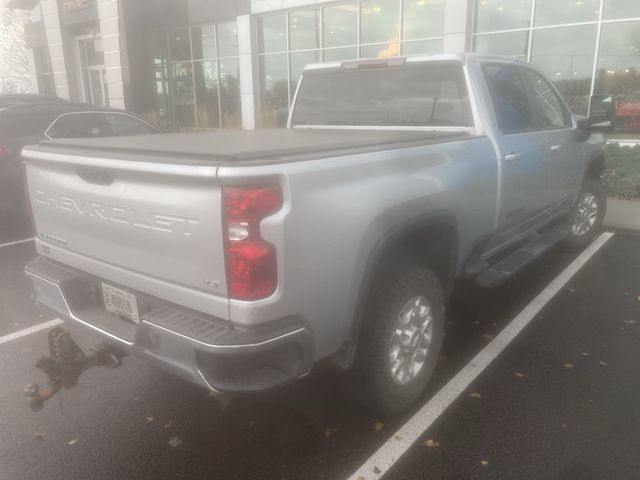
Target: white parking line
[(30, 330), (17, 242), (403, 439)]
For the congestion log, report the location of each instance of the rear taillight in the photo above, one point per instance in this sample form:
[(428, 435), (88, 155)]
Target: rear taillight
[(250, 261), (3, 151)]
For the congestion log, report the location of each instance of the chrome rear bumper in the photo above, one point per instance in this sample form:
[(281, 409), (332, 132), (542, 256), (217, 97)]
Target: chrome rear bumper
[(204, 350)]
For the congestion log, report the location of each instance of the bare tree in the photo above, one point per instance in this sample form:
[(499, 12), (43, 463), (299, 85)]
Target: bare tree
[(15, 70)]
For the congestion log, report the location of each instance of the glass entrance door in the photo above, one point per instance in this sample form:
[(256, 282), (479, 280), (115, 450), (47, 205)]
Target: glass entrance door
[(93, 72)]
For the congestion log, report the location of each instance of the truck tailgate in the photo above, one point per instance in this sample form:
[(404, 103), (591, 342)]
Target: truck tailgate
[(158, 220)]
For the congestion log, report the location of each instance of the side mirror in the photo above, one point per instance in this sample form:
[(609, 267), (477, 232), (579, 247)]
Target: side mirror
[(583, 128)]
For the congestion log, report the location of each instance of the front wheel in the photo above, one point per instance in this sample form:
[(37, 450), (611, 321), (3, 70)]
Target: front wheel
[(586, 218), (401, 340)]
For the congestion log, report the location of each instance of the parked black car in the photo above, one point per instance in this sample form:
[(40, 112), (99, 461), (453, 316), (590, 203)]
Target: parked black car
[(24, 123)]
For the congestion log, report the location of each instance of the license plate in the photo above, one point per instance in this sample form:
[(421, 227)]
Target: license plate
[(120, 302)]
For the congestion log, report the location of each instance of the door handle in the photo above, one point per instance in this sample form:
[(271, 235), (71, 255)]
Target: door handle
[(555, 148), (512, 157)]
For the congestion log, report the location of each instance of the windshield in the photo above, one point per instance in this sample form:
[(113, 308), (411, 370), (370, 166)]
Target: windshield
[(417, 95)]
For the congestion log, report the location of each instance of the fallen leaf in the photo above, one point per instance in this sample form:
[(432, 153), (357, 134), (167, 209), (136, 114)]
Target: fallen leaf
[(474, 395), (639, 298), (476, 323), (169, 424), (72, 441), (398, 437), (484, 463), (564, 425), (568, 365), (519, 375), (39, 435), (150, 419), (175, 442), (378, 426), (629, 322), (584, 354), (603, 363), (135, 399), (431, 443), (572, 290), (487, 336), (376, 470)]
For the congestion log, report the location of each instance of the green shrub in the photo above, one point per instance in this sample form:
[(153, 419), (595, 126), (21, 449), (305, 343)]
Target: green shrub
[(622, 175)]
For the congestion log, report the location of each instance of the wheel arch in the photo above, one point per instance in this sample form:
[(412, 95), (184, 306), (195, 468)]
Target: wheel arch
[(431, 239)]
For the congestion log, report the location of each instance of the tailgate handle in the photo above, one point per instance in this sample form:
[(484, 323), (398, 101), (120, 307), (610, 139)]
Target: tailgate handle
[(96, 176)]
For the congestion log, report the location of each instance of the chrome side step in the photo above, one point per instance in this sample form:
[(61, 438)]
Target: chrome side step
[(510, 265)]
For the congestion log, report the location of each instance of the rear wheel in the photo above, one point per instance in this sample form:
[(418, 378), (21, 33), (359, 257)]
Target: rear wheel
[(401, 340), (586, 219)]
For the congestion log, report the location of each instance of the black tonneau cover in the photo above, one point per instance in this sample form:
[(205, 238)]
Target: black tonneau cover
[(230, 146)]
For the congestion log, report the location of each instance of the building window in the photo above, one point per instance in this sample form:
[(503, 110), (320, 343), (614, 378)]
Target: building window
[(559, 36), (615, 9), (557, 12), (205, 81), (289, 41), (93, 71), (509, 44), (618, 71), (566, 55), (495, 15)]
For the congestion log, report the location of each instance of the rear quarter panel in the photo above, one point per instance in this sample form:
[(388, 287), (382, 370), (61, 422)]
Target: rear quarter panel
[(336, 211)]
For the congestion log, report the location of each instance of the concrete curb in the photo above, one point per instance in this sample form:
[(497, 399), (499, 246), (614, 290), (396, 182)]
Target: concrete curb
[(623, 214)]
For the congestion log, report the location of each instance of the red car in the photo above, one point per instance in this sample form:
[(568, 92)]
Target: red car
[(627, 111)]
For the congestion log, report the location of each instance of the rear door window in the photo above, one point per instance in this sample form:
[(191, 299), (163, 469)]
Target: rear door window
[(509, 98)]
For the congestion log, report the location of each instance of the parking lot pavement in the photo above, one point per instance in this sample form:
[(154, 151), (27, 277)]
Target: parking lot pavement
[(564, 415)]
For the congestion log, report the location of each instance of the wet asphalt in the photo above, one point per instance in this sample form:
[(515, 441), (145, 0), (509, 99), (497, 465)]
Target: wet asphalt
[(561, 402)]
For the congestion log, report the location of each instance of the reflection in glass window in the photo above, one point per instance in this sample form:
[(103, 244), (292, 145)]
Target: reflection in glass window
[(274, 90), (179, 45), (511, 44), (555, 12), (382, 50), (304, 30), (422, 18), (422, 47), (203, 42), (183, 95), (339, 54), (340, 24), (230, 93), (618, 71), (227, 39), (566, 56), (379, 21), (206, 87), (272, 33), (548, 111), (493, 15), (621, 9)]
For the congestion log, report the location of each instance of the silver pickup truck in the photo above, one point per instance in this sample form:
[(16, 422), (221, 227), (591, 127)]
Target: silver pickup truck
[(240, 259)]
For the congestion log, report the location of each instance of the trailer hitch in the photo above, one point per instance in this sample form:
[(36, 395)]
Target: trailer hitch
[(65, 363)]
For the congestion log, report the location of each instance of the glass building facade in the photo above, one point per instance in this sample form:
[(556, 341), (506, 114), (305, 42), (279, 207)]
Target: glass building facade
[(589, 48), (289, 40), (204, 77)]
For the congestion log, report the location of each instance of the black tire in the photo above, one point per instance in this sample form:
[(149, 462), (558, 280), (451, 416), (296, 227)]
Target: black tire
[(379, 391), (574, 240)]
